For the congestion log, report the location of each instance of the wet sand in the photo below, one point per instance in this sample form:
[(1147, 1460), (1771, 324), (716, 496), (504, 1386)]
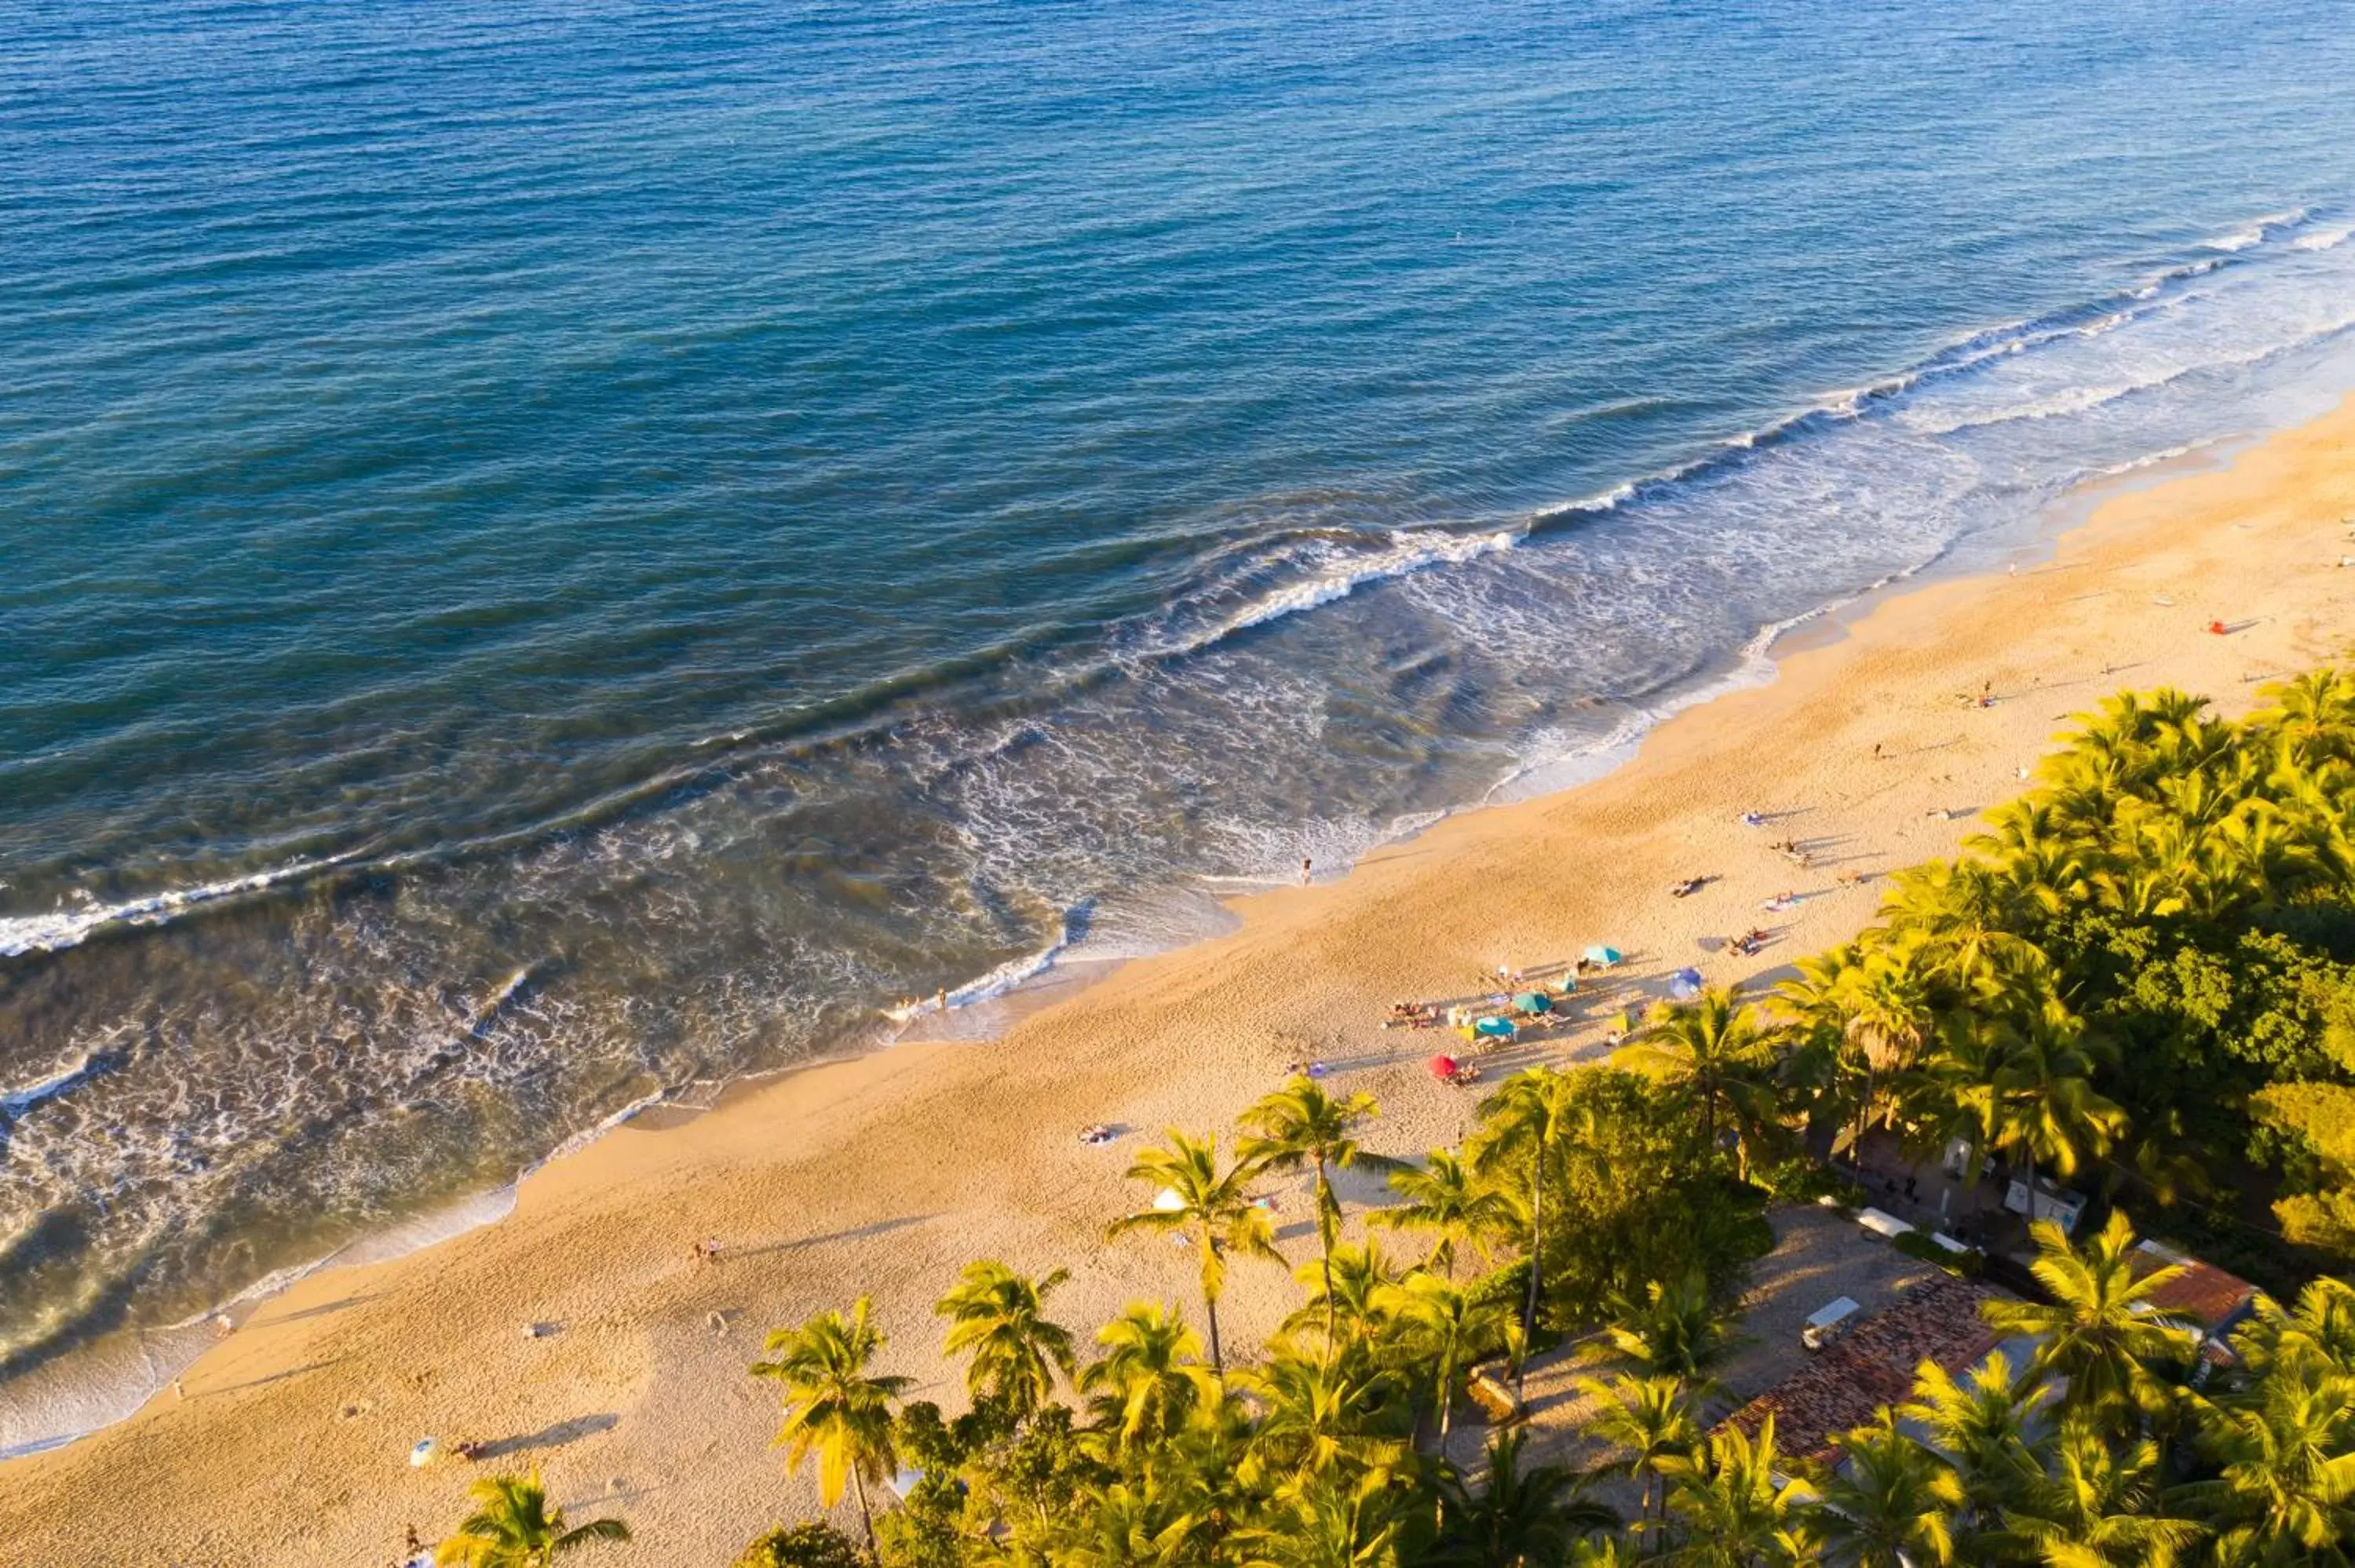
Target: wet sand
[(882, 1175)]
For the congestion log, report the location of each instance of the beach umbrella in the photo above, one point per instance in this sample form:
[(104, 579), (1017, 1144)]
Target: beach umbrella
[(1684, 984), (422, 1454), (1493, 1028), (1443, 1066), (1532, 1002), (1606, 956)]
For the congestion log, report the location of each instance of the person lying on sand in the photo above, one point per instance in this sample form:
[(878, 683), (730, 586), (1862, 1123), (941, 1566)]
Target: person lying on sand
[(1753, 820), (1688, 887), (1095, 1135)]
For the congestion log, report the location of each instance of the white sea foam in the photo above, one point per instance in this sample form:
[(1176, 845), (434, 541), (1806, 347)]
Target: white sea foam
[(17, 1102), (1005, 978), (2323, 239), (21, 934), (1408, 550)]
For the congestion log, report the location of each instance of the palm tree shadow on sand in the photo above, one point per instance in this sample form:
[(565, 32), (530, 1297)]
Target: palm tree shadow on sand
[(555, 1436)]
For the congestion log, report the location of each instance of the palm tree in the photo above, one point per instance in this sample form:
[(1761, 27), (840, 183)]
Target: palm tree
[(1345, 1293), (1316, 1414), (1449, 1325), (1444, 1195), (1000, 1317), (1706, 1047), (513, 1527), (1737, 1512), (2094, 1510), (1151, 1378), (1965, 908), (1130, 1527), (834, 1407), (2285, 1490), (2319, 1331), (2101, 1331), (1867, 1003), (1986, 1425), (1891, 1505), (2047, 1111), (1522, 1519), (1335, 1521), (1193, 1197), (1298, 1125), (1527, 1116), (1675, 1331), (1650, 1420)]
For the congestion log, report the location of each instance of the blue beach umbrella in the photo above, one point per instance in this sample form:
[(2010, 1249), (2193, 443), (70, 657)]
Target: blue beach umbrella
[(1603, 955), (1684, 984)]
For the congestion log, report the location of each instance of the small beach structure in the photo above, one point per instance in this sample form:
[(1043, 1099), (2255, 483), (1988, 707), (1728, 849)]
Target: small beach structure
[(1603, 957), (1684, 984)]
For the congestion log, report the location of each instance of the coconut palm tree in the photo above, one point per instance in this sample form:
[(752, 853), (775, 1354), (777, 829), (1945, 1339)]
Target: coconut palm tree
[(1298, 1125), (835, 1408), (999, 1317), (1316, 1414), (1448, 1325), (1194, 1198), (1988, 1425), (1529, 1118), (1891, 1505), (1649, 1420), (1151, 1377), (2317, 1333), (1446, 1196), (2100, 1331), (1337, 1521), (1675, 1331), (1965, 909), (2095, 1508), (1521, 1518), (513, 1527), (2047, 1112), (2285, 1454), (1355, 1307), (1707, 1047), (1131, 1526), (2312, 713), (1737, 1511)]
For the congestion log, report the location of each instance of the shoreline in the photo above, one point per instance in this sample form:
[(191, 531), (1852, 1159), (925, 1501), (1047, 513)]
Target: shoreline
[(1305, 967)]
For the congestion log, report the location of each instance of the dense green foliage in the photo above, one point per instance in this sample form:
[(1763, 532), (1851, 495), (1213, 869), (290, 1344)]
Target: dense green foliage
[(2141, 981)]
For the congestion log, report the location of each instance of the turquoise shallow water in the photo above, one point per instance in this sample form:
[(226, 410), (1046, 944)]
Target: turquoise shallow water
[(555, 554)]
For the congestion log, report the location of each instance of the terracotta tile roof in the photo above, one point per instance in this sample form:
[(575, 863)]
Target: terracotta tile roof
[(2202, 1292), (1846, 1385)]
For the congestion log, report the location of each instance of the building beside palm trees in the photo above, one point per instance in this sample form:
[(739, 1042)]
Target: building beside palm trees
[(1846, 1384), (2215, 1302)]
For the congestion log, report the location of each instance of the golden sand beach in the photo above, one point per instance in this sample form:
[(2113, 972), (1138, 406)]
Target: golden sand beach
[(883, 1174)]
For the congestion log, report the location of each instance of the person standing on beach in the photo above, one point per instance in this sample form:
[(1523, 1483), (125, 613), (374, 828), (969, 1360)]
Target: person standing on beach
[(1305, 868)]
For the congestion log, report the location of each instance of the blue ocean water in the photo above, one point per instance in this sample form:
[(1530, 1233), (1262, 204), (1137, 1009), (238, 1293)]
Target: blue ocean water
[(558, 552)]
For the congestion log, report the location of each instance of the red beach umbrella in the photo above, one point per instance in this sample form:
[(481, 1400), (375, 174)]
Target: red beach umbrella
[(1443, 1066)]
